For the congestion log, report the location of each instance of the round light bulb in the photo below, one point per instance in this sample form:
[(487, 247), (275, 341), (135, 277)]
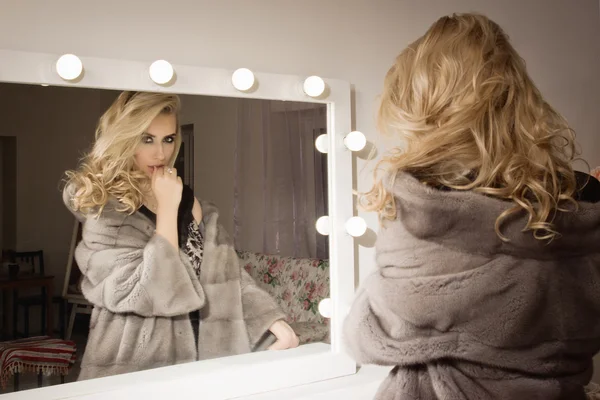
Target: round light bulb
[(356, 226), (322, 225), (242, 79), (69, 67), (314, 86), (322, 144), (161, 72), (355, 141), (325, 308)]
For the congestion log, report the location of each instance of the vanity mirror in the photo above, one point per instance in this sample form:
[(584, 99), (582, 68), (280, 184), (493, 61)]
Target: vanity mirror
[(273, 152)]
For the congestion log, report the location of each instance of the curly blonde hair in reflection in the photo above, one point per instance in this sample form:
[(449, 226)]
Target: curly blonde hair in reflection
[(471, 118), (109, 168)]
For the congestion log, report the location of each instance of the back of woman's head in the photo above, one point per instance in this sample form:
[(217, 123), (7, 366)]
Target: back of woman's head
[(109, 168), (472, 119)]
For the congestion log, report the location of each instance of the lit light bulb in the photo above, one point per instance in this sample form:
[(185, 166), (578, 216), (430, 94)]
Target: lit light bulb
[(355, 141), (356, 226), (69, 67), (242, 79), (161, 72), (322, 144), (325, 308), (322, 225), (314, 86)]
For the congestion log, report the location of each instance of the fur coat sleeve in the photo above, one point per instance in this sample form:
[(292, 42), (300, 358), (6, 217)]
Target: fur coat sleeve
[(236, 306), (259, 308), (127, 268)]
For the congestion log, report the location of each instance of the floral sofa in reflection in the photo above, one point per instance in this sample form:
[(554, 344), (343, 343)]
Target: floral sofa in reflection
[(298, 285)]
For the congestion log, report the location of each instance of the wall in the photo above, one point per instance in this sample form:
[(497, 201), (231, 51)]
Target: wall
[(52, 127), (9, 188), (215, 124)]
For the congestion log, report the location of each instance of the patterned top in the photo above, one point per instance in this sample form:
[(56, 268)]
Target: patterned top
[(194, 246)]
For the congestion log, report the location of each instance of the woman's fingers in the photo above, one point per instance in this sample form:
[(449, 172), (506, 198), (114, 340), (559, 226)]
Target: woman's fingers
[(286, 337)]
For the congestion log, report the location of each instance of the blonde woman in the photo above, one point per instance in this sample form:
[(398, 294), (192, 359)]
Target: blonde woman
[(159, 269), (488, 278)]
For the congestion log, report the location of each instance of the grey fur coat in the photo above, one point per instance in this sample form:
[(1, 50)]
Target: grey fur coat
[(462, 315), (142, 290)]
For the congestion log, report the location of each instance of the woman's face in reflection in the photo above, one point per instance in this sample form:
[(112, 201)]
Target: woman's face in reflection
[(157, 144)]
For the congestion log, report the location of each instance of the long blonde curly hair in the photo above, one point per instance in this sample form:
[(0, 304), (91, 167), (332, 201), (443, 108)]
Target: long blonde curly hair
[(471, 118), (109, 168)]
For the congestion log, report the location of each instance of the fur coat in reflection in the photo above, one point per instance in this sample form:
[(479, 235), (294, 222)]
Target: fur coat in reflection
[(143, 290)]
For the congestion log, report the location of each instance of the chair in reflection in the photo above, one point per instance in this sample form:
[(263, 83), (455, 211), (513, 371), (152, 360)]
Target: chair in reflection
[(32, 262)]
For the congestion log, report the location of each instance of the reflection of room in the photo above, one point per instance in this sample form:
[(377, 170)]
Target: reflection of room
[(255, 159)]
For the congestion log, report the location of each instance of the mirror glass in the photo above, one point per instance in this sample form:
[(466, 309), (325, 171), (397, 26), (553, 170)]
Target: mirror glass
[(125, 297)]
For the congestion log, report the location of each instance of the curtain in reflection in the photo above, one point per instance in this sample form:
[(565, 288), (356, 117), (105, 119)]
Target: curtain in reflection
[(280, 186)]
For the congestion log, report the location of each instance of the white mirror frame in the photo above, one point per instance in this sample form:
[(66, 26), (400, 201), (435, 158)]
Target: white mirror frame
[(247, 374)]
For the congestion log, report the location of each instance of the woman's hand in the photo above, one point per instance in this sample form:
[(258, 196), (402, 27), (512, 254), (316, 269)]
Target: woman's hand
[(286, 337), (167, 188)]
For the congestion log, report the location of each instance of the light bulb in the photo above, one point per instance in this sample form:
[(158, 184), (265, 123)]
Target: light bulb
[(355, 141), (356, 226), (69, 67), (314, 86), (242, 79), (325, 308), (322, 144), (322, 225), (161, 72)]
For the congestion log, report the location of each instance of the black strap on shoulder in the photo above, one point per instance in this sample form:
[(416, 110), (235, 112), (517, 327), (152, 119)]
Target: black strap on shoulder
[(185, 216)]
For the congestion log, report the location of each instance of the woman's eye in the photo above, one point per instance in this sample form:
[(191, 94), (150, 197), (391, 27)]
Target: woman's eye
[(147, 139), (170, 139)]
